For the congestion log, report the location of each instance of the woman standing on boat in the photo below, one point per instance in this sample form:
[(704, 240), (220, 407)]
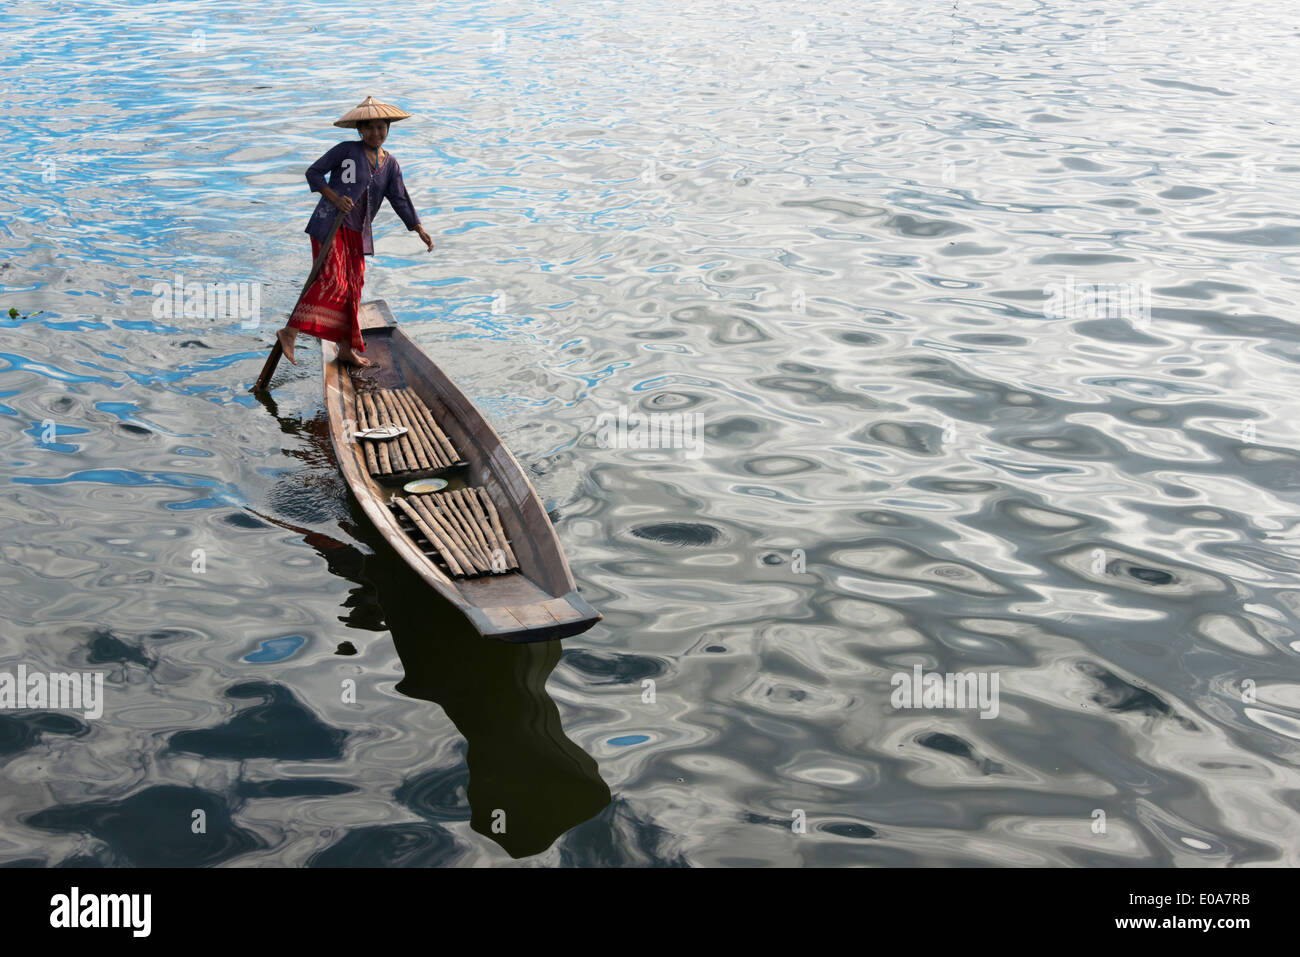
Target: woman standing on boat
[(361, 176)]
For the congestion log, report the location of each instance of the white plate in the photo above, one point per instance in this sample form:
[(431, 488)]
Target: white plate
[(425, 486), (380, 433)]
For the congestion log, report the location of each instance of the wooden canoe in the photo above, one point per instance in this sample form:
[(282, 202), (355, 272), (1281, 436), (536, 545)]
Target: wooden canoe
[(490, 550)]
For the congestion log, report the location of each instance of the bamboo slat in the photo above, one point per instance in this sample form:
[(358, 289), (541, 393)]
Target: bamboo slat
[(396, 452), (414, 454), (448, 553), (496, 539), (461, 498), (381, 448), (463, 525), (455, 502), (368, 448), (424, 447), (439, 520), (495, 519), (437, 458), (453, 516), (420, 436), (475, 550), (407, 447), (448, 449), (454, 543)]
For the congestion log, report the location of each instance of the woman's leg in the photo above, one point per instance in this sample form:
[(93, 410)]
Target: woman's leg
[(352, 344), (286, 337), (328, 309), (350, 358)]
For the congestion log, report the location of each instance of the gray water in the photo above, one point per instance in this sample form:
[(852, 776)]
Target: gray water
[(836, 234)]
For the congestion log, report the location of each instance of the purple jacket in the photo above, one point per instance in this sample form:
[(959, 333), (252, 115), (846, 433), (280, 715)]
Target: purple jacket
[(350, 176)]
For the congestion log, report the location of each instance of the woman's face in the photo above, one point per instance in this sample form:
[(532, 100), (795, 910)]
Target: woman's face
[(373, 132)]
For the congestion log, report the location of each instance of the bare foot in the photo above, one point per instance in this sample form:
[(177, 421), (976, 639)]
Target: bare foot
[(286, 337), (350, 358)]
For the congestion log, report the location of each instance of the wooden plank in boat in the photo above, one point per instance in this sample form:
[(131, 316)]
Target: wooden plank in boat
[(502, 618), (532, 615), (499, 591), (560, 610), (374, 315)]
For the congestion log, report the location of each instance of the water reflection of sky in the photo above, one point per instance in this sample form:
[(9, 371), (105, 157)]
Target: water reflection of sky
[(834, 244)]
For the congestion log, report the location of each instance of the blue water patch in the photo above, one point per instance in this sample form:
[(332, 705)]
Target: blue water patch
[(49, 371), (224, 493), (627, 740), (73, 325), (212, 501), (211, 364), (467, 226), (127, 412), (276, 649), (145, 325), (67, 325), (37, 432), (123, 410)]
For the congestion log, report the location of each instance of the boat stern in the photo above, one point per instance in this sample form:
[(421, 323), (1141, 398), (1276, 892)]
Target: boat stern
[(548, 620)]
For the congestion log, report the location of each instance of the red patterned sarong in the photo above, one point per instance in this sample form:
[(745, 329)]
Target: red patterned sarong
[(328, 309)]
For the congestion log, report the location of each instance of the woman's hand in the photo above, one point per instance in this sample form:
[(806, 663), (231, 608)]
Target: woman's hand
[(428, 240), (342, 203)]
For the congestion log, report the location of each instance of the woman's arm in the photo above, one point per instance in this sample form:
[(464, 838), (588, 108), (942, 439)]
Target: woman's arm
[(316, 176), (400, 200), (342, 203)]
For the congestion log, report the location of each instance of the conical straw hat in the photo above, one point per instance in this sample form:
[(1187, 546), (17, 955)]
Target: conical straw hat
[(371, 109)]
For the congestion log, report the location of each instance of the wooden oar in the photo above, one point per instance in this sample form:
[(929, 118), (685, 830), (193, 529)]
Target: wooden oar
[(277, 350)]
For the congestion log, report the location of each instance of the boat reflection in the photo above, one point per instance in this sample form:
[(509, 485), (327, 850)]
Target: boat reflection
[(528, 783)]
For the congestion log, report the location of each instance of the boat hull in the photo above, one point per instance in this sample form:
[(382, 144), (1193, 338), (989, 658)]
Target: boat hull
[(539, 600)]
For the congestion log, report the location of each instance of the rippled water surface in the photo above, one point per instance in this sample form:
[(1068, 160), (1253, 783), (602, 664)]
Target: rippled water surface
[(833, 232)]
